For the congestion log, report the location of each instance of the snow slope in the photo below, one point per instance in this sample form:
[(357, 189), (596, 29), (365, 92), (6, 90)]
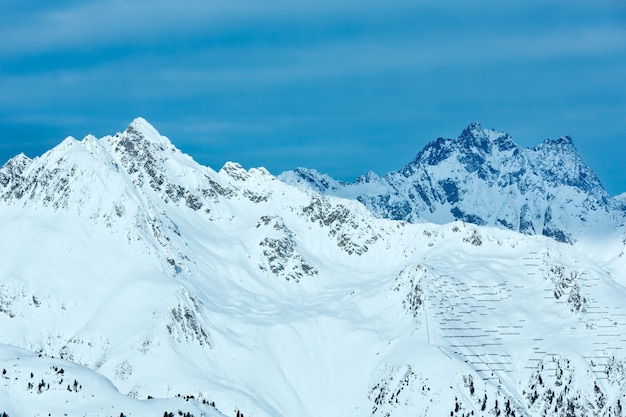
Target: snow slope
[(143, 274)]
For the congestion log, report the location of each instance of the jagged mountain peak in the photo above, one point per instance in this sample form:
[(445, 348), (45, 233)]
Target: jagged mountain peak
[(310, 178), (141, 129), (474, 126), (473, 147), (475, 131), (129, 172), (560, 164), (563, 141), (13, 169), (371, 176), (18, 163), (20, 158), (484, 177), (141, 141)]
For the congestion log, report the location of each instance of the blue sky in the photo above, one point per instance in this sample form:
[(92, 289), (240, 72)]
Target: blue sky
[(340, 86)]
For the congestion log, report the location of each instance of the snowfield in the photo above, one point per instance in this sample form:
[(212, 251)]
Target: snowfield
[(137, 282)]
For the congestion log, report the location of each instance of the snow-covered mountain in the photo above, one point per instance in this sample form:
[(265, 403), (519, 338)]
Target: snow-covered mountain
[(483, 177), (135, 281)]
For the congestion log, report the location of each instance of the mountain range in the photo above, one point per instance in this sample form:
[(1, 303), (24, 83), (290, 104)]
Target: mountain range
[(483, 177), (481, 279)]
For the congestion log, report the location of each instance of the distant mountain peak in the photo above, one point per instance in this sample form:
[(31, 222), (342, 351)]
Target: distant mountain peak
[(475, 126), (475, 129), (563, 141), (371, 176), (471, 147), (140, 130), (475, 135), (141, 126), (12, 171), (484, 177), (19, 160), (141, 149)]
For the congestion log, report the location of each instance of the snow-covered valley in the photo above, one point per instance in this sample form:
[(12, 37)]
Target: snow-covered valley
[(135, 281)]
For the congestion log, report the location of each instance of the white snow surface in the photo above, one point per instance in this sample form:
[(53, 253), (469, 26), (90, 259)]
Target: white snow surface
[(142, 274)]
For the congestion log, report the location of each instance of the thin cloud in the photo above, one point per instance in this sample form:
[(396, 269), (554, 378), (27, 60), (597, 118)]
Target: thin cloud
[(110, 22), (396, 36)]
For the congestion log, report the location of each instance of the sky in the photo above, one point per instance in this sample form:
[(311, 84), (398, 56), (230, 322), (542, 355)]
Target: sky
[(341, 86)]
